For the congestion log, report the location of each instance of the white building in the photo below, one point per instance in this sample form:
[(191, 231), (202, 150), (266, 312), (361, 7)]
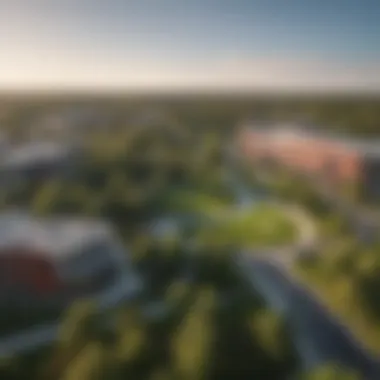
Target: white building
[(71, 123), (37, 161)]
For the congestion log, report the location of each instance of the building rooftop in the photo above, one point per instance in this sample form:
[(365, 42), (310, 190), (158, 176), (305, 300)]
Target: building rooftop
[(57, 237), (367, 147), (36, 152)]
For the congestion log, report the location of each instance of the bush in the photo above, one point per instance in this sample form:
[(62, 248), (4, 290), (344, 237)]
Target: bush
[(192, 343), (331, 372)]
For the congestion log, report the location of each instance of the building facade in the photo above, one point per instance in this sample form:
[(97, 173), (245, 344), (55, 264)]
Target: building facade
[(334, 159), (38, 161)]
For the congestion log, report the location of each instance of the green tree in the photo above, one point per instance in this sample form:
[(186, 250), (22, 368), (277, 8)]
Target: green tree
[(77, 330), (193, 342), (89, 364), (47, 197), (368, 283), (331, 372), (132, 337), (272, 335)]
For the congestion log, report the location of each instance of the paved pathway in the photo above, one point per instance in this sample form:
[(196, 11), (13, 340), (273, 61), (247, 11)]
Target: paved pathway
[(319, 337)]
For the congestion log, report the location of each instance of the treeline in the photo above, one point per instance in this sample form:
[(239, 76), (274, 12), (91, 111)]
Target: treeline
[(123, 176), (351, 114)]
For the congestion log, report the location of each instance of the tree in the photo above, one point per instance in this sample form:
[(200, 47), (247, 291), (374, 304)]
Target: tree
[(176, 292), (192, 344), (331, 372), (272, 335), (162, 374), (340, 257), (77, 330), (89, 364), (132, 337), (368, 282), (47, 197)]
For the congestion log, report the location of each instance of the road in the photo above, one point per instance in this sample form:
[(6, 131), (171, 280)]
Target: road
[(319, 337)]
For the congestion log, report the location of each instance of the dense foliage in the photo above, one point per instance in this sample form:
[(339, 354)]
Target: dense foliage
[(214, 326)]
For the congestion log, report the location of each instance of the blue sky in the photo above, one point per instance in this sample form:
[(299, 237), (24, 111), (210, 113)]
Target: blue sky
[(254, 44)]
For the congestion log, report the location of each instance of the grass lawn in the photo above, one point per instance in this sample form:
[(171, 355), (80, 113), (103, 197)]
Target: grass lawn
[(261, 225), (339, 295), (198, 202)]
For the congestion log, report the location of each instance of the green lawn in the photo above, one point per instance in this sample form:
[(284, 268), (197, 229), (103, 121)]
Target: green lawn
[(260, 226), (339, 294), (198, 202)]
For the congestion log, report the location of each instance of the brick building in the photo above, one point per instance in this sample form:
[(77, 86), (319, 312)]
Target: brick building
[(331, 158)]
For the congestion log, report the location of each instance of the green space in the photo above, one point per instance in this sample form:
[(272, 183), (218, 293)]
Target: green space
[(261, 225), (346, 277), (223, 223), (200, 202)]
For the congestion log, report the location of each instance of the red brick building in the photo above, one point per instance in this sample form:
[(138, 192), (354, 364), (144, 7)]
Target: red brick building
[(330, 158), (28, 269)]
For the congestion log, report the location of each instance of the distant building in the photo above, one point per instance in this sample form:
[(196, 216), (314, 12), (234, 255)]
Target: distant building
[(46, 264), (150, 117), (331, 158), (70, 123), (4, 145), (38, 160)]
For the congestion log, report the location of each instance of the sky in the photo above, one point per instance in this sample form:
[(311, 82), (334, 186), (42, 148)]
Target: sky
[(190, 44)]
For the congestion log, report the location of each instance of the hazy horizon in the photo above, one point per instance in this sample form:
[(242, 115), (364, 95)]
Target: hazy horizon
[(219, 46)]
